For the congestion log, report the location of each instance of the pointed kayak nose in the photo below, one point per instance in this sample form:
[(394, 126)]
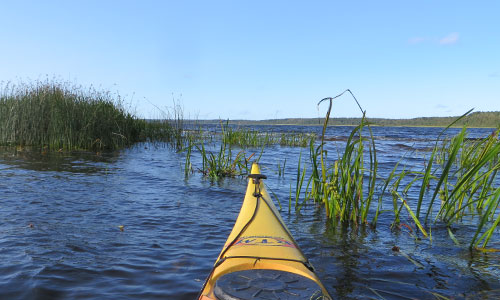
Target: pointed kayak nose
[(260, 257)]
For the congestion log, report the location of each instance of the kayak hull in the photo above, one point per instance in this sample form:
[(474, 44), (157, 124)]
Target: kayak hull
[(260, 240)]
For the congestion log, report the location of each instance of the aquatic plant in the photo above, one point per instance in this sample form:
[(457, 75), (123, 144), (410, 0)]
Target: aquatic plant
[(281, 169), (216, 165), (301, 174), (471, 188), (221, 163), (245, 137), (340, 186), (460, 172), (296, 139), (188, 167), (59, 116), (170, 127)]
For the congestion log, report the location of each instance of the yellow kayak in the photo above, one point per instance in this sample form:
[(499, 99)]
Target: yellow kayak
[(260, 259)]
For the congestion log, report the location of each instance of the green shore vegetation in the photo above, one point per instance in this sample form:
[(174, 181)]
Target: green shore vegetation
[(57, 116)]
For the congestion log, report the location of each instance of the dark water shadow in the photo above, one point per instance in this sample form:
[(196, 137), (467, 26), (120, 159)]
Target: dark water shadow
[(72, 162)]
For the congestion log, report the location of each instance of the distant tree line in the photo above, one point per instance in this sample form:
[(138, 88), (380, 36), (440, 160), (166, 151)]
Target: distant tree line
[(476, 119)]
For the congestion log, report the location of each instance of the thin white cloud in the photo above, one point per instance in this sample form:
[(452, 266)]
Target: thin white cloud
[(416, 40), (450, 39)]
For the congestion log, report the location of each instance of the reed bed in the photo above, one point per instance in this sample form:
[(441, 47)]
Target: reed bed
[(170, 127), (59, 116), (339, 185), (459, 179), (467, 183), (218, 164), (245, 137), (223, 162)]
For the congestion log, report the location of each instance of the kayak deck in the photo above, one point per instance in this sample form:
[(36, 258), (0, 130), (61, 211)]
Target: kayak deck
[(260, 256)]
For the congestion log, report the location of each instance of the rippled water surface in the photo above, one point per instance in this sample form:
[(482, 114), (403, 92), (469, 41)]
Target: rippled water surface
[(60, 237)]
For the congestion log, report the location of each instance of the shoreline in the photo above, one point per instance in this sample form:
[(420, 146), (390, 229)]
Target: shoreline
[(343, 125)]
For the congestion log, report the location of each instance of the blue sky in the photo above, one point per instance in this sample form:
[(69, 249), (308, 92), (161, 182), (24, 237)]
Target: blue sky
[(263, 59)]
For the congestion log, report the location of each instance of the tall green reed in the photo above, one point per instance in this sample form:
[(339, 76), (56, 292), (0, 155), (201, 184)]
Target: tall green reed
[(188, 167), (245, 137), (460, 172), (340, 186), (169, 127), (221, 163), (281, 169), (60, 116), (301, 174)]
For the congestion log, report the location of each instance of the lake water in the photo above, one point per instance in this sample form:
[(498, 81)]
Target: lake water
[(60, 238)]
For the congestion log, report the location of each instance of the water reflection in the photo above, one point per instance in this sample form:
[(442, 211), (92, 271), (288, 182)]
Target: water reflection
[(73, 162)]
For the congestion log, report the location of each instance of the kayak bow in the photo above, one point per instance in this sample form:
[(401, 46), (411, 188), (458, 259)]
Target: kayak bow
[(260, 259)]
